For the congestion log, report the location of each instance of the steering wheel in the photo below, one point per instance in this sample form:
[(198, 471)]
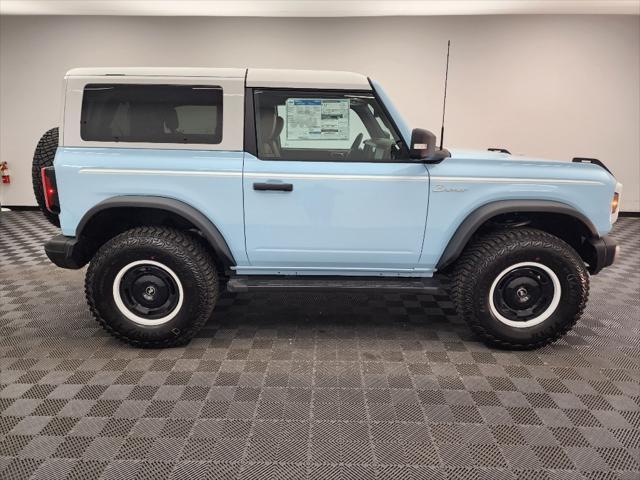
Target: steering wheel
[(355, 144)]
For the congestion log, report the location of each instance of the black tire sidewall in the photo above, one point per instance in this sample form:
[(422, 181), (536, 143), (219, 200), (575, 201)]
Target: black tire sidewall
[(570, 299), (107, 267), (44, 156)]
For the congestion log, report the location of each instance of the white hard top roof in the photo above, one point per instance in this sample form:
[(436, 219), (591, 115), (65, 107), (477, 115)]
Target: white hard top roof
[(264, 77), (256, 77), (158, 72)]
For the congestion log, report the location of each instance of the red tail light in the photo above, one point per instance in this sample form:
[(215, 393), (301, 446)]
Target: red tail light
[(50, 189)]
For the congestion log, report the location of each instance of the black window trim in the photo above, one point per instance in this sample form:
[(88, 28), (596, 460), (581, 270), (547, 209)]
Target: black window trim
[(250, 134), (250, 131)]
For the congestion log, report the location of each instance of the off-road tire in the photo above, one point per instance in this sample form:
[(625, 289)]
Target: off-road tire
[(43, 157), (483, 261), (178, 251)]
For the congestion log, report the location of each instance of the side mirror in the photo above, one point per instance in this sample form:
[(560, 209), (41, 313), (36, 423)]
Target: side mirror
[(423, 144), (423, 147)]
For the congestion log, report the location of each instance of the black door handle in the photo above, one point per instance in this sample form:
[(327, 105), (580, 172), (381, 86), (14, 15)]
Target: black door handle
[(281, 187)]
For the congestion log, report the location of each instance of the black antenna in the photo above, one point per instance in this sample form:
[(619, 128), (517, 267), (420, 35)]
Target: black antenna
[(444, 103)]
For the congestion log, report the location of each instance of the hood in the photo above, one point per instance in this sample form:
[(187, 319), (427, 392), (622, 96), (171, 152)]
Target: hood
[(510, 159), (521, 166), (488, 155)]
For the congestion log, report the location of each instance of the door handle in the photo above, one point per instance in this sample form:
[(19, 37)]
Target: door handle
[(281, 187)]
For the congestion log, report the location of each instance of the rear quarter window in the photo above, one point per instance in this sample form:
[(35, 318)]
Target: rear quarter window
[(151, 113)]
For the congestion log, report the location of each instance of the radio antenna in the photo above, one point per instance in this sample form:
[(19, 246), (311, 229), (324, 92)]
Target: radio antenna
[(444, 103)]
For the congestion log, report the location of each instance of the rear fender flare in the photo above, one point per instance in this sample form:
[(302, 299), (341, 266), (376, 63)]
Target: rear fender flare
[(184, 210)]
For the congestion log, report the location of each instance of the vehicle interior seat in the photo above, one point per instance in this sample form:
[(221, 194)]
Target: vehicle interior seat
[(277, 131), (148, 122), (170, 120), (271, 126)]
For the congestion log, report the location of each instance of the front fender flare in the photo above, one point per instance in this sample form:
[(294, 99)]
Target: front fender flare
[(186, 211), (478, 217)]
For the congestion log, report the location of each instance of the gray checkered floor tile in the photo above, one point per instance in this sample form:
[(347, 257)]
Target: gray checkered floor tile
[(311, 386)]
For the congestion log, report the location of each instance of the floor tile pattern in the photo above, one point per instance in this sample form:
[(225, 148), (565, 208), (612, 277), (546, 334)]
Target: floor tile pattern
[(314, 386)]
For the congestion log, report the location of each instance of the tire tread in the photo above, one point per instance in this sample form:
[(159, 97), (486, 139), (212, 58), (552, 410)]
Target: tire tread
[(179, 242), (44, 156), (485, 249)]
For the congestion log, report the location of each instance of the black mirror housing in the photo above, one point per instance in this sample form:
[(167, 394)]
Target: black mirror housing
[(423, 144), (423, 147)]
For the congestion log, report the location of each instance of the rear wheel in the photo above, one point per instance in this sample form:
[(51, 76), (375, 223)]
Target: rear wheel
[(520, 288), (152, 286), (43, 157)]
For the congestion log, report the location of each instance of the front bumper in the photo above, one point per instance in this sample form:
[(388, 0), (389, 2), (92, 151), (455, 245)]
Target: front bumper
[(602, 253), (66, 252)]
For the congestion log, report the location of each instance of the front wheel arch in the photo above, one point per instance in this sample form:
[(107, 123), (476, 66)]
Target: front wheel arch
[(540, 214)]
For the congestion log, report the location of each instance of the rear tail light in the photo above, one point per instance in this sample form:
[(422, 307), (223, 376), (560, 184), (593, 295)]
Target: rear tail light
[(50, 188)]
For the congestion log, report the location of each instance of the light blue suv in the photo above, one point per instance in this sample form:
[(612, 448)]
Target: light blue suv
[(176, 183)]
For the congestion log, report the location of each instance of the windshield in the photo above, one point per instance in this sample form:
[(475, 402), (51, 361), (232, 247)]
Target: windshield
[(402, 125)]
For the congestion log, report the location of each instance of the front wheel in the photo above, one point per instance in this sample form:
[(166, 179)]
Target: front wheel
[(152, 286), (520, 288)]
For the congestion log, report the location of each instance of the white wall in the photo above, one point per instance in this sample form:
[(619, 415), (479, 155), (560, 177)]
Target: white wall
[(551, 86)]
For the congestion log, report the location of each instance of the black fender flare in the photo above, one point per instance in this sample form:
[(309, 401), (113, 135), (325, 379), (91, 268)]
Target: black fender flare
[(479, 216), (184, 210)]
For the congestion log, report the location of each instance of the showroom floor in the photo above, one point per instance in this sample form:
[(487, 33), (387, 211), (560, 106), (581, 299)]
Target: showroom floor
[(311, 386)]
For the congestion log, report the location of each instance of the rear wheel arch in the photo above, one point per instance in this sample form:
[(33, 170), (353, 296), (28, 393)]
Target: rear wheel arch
[(118, 214), (546, 215)]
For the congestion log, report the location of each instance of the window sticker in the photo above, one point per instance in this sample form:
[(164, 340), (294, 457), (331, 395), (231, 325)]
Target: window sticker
[(318, 119)]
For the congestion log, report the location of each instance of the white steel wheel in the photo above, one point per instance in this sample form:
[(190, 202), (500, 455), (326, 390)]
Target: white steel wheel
[(525, 294), (148, 292)]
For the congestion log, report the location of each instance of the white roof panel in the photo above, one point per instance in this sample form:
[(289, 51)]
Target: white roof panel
[(159, 72), (256, 77), (276, 78)]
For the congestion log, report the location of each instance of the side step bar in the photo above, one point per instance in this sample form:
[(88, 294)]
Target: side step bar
[(431, 286)]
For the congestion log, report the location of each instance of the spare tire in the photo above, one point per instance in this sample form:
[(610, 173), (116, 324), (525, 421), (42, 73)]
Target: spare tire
[(43, 157)]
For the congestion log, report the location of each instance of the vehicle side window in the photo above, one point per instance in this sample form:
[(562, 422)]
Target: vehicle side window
[(152, 113), (324, 126)]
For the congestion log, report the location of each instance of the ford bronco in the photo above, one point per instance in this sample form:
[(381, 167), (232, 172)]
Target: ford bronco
[(176, 183)]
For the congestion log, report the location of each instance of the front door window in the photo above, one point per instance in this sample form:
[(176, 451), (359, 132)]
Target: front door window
[(324, 126)]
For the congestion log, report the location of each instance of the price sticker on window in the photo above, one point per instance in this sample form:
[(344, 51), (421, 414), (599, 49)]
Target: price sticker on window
[(317, 119)]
